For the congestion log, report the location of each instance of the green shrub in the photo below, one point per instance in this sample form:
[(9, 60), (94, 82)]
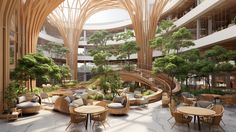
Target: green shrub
[(50, 89), (148, 92), (11, 94), (94, 87), (37, 90), (207, 91), (98, 97), (108, 97), (91, 97)]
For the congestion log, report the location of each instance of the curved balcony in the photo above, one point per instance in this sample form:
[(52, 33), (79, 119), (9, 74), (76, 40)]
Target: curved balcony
[(199, 10), (107, 25)]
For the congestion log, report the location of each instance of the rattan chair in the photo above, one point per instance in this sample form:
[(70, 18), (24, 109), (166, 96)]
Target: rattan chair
[(32, 99), (214, 121), (100, 118), (187, 102), (172, 109), (180, 118), (62, 105), (76, 118), (219, 109)]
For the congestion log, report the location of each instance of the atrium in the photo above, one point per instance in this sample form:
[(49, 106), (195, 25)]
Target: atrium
[(117, 65)]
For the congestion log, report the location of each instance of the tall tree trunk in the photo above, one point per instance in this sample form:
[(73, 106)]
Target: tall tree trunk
[(31, 86), (129, 62)]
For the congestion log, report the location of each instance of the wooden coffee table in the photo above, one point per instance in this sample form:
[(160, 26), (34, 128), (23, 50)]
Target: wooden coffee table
[(90, 109), (196, 111)]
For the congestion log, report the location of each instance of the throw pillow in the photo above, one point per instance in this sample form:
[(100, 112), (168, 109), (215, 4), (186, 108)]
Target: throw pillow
[(124, 101), (21, 99), (78, 102), (35, 99), (67, 99)]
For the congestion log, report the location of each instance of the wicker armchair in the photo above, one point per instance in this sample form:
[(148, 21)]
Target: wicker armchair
[(76, 118), (213, 121), (62, 105), (29, 103), (187, 102), (120, 111), (180, 118)]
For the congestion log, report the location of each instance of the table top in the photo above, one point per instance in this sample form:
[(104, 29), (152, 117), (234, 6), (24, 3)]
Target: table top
[(89, 109), (198, 111)]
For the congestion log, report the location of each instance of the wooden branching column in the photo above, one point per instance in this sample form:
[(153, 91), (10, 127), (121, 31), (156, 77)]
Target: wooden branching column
[(7, 8), (69, 19), (144, 16), (30, 16)]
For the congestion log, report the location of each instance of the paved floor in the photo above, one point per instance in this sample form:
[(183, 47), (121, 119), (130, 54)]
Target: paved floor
[(150, 119)]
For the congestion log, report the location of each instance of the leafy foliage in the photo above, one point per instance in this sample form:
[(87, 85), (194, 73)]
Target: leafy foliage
[(168, 41), (129, 47), (58, 50), (36, 66), (11, 94)]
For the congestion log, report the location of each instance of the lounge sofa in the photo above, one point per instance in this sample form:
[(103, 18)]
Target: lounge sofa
[(29, 103)]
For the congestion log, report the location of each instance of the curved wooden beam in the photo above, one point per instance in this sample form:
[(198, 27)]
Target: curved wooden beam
[(70, 24)]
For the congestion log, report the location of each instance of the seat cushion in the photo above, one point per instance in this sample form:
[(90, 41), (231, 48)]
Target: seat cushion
[(27, 104), (22, 99), (115, 105)]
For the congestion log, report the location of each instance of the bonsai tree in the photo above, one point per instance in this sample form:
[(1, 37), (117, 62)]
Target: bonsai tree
[(168, 41), (53, 49), (168, 64), (189, 69), (35, 66), (129, 47), (164, 38)]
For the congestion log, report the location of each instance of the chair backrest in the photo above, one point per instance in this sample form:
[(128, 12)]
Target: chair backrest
[(103, 115), (187, 101), (206, 97), (178, 117), (219, 109), (102, 103), (216, 119), (75, 117)]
